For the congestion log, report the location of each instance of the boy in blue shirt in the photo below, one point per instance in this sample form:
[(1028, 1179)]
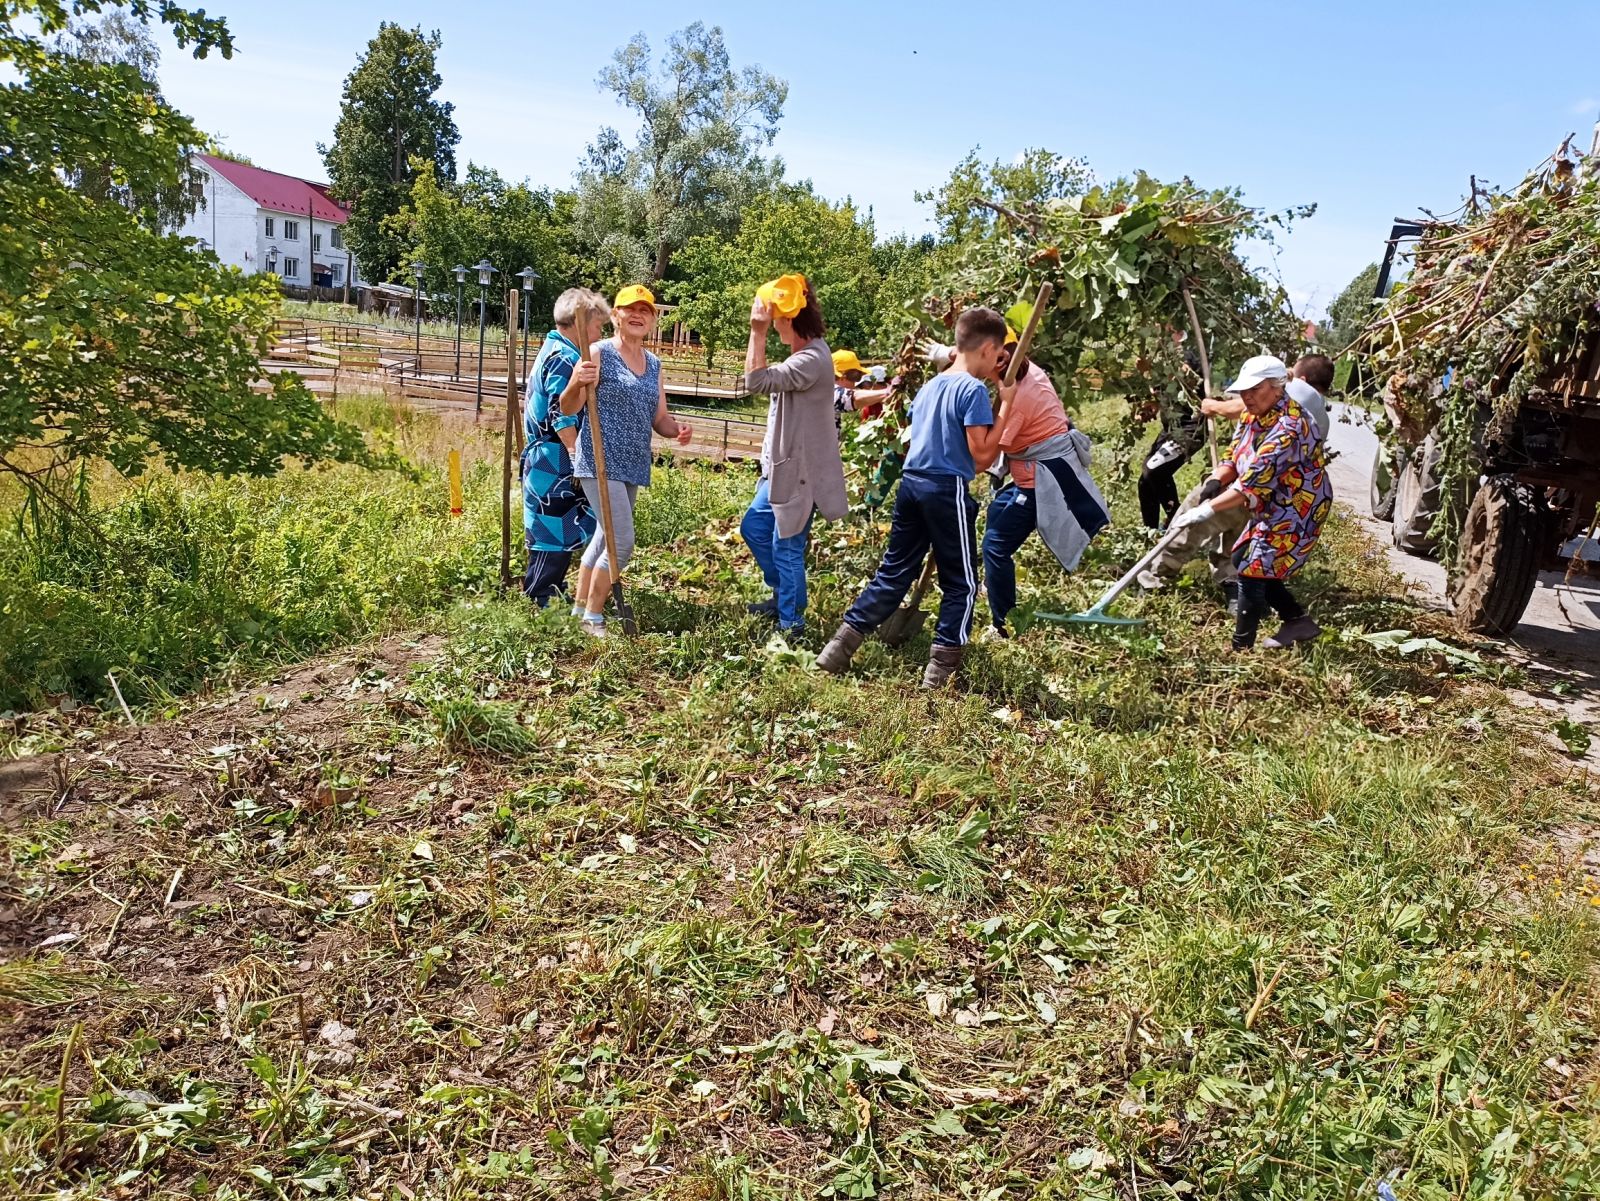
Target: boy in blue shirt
[(954, 435)]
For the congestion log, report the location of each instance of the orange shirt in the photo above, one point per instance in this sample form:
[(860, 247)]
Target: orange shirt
[(1035, 413)]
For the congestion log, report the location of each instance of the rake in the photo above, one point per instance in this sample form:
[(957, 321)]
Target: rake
[(1095, 614)]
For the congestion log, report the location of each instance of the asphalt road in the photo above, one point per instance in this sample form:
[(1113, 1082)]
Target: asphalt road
[(1559, 637)]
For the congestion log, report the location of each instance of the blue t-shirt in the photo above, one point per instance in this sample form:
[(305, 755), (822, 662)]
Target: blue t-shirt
[(943, 409)]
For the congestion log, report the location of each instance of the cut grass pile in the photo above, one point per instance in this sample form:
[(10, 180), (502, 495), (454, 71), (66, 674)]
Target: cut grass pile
[(510, 913)]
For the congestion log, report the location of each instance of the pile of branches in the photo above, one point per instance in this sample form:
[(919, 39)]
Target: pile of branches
[(1121, 258), (1501, 302)]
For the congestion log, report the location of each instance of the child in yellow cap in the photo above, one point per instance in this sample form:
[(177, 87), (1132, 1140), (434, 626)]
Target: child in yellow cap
[(848, 396)]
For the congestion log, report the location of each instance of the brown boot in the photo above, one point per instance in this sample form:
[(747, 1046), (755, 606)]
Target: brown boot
[(942, 664), (842, 647)]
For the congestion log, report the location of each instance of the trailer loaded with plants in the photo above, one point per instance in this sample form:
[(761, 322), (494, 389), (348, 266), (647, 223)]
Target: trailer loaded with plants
[(1489, 362)]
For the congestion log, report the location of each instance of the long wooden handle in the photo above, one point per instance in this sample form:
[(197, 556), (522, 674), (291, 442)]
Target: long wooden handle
[(1205, 370), (591, 402), (512, 414), (1026, 340)]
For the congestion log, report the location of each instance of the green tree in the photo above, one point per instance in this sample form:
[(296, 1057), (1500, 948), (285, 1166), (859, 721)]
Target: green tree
[(119, 38), (976, 196), (389, 122), (486, 216), (790, 230), (117, 341), (696, 162), (1349, 313)]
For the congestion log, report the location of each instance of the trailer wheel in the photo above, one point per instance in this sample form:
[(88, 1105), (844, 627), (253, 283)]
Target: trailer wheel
[(1502, 543), (1387, 467), (1417, 499)]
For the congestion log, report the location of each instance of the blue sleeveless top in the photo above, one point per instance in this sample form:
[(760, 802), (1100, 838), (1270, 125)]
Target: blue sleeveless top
[(627, 416)]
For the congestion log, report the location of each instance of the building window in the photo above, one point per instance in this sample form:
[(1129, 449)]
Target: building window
[(270, 224), (291, 230), (338, 274), (291, 267), (338, 239), (316, 243)]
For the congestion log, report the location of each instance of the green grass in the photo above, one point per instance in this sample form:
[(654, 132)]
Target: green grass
[(1122, 915)]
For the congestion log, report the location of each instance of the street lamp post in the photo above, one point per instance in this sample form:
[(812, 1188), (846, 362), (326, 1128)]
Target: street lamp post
[(461, 279), (418, 269), (527, 275), (486, 273), (272, 260)]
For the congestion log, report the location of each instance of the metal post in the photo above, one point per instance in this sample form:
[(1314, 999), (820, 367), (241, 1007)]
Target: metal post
[(486, 272), (461, 279), (483, 319)]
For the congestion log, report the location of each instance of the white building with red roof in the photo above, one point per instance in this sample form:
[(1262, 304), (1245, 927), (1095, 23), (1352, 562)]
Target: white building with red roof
[(260, 220)]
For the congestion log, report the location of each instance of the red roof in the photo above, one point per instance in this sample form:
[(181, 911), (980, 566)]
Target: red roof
[(281, 193)]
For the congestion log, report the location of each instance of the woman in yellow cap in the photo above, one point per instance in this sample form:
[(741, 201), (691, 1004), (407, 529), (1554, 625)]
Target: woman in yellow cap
[(800, 468), (631, 399)]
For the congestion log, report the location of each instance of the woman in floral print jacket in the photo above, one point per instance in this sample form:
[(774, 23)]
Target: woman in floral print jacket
[(1275, 469)]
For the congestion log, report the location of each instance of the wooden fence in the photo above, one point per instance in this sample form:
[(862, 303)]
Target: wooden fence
[(355, 358)]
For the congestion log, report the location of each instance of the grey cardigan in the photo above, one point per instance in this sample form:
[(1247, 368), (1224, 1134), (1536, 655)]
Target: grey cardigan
[(800, 454)]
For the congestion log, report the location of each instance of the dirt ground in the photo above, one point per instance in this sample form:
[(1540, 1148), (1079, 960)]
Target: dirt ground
[(1558, 642)]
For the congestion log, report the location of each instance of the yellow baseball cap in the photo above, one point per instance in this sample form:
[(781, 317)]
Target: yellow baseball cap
[(1011, 335), (633, 294), (845, 360), (785, 295)]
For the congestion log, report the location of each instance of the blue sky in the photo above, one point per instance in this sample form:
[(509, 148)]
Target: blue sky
[(1370, 110)]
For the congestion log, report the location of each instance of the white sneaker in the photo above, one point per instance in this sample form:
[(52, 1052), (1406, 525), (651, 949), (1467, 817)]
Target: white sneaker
[(595, 629), (1149, 581), (992, 634)]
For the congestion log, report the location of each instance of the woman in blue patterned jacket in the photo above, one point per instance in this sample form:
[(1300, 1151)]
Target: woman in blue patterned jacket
[(556, 518)]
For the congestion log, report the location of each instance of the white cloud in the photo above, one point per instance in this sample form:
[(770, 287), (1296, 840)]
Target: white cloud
[(1586, 108)]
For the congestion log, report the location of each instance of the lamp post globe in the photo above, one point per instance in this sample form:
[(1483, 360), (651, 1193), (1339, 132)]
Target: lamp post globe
[(528, 276), (460, 273), (486, 273)]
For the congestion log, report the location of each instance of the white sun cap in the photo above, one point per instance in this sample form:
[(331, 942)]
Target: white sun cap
[(1258, 370)]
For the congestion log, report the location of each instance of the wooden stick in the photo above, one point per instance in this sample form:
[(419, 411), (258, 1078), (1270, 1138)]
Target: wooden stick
[(512, 415), (1205, 370), (592, 407)]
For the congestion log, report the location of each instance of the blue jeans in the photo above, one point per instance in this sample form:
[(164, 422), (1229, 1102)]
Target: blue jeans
[(930, 512), (1012, 517), (782, 560)]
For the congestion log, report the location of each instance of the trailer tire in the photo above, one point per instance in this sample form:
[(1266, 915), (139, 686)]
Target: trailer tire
[(1502, 544), (1417, 498), (1387, 465)]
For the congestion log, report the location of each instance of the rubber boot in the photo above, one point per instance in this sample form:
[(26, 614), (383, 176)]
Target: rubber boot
[(842, 647), (1301, 629), (942, 664)]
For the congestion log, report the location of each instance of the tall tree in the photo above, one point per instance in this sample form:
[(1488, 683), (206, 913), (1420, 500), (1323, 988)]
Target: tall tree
[(789, 230), (118, 38), (388, 123), (1349, 313), (486, 215), (117, 341), (697, 159)]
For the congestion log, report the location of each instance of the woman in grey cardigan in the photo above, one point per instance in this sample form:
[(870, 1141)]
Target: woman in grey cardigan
[(800, 468)]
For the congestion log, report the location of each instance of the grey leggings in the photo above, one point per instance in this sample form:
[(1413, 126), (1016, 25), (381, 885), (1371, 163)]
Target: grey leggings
[(597, 554)]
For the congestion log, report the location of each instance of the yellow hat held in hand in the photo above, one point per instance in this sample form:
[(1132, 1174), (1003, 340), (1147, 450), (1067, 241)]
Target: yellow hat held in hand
[(633, 294), (785, 295), (845, 360)]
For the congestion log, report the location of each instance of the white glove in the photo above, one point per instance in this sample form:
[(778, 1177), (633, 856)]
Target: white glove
[(937, 353), (1199, 515)]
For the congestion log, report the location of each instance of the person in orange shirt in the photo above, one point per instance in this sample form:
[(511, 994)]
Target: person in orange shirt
[(1036, 415)]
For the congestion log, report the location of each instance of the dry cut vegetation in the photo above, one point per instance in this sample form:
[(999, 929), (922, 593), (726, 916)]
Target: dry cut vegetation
[(496, 911)]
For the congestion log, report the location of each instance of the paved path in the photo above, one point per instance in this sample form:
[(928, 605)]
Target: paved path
[(1558, 640)]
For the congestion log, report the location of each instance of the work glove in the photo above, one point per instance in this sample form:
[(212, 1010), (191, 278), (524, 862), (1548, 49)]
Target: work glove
[(1211, 489), (1199, 515), (937, 353)]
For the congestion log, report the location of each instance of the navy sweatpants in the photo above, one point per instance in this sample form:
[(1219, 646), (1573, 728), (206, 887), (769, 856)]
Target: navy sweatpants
[(930, 511)]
